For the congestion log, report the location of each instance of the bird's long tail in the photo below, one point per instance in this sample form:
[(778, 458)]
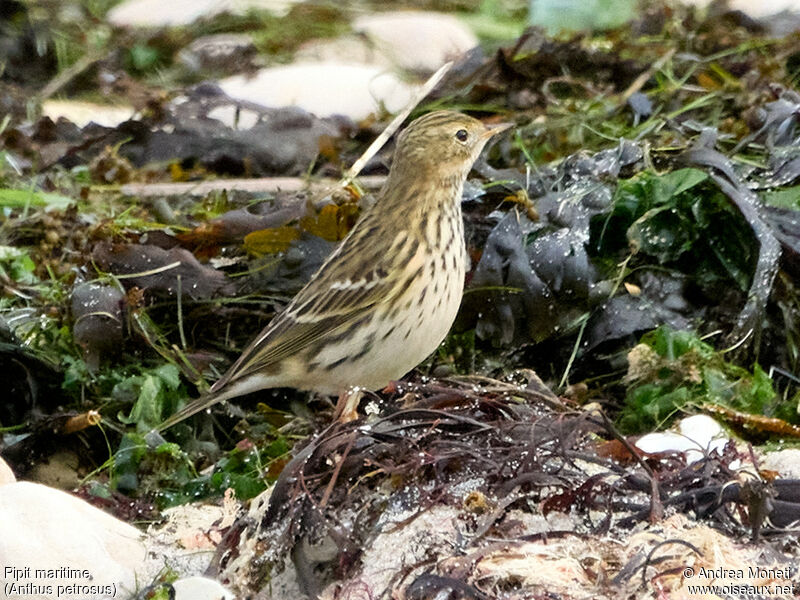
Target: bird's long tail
[(195, 406), (222, 390)]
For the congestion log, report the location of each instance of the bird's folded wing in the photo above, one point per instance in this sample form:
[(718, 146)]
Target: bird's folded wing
[(323, 309)]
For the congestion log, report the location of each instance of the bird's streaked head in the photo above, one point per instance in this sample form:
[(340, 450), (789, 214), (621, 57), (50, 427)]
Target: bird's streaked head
[(445, 141)]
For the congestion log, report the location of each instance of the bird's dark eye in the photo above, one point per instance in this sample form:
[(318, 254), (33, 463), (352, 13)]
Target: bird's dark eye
[(462, 135)]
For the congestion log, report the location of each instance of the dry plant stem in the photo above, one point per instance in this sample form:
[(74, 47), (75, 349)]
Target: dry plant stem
[(354, 170), (68, 74), (335, 476), (639, 82), (82, 421), (262, 185)]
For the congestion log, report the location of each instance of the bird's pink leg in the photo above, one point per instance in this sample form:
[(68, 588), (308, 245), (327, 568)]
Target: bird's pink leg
[(347, 405)]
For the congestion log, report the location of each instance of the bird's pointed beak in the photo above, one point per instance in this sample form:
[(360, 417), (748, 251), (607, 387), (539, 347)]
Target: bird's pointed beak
[(494, 129)]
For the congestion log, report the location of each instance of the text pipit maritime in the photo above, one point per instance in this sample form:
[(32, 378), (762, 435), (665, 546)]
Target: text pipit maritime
[(387, 296)]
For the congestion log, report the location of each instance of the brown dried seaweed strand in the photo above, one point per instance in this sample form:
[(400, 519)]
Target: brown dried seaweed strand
[(337, 469), (656, 507)]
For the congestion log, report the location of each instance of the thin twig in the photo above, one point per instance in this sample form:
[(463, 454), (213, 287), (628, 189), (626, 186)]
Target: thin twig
[(335, 476), (573, 355), (156, 271), (639, 82), (354, 170), (68, 74), (180, 315)]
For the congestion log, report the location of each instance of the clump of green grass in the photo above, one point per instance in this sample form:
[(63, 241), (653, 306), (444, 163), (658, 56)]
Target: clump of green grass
[(673, 372)]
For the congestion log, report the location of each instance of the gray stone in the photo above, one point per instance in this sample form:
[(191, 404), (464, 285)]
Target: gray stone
[(6, 474), (200, 588), (157, 13), (221, 53), (44, 528), (82, 113), (786, 462), (323, 89), (416, 40)]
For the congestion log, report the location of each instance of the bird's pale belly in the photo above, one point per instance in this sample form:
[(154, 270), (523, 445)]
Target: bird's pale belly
[(394, 343)]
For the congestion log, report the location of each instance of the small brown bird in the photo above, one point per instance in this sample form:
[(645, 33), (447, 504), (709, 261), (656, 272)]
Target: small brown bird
[(387, 296)]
